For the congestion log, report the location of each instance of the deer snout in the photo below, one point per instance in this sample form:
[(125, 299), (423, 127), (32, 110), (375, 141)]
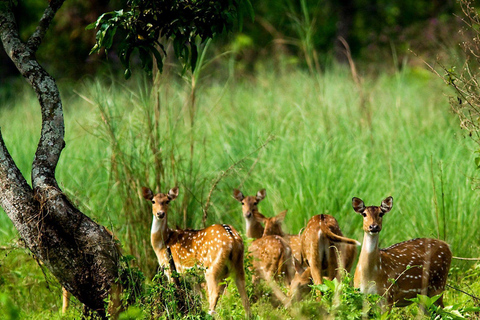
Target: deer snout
[(248, 214), (160, 214), (374, 228)]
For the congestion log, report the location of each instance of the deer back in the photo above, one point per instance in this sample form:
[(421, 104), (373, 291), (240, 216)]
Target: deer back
[(418, 266), (322, 243), (323, 230), (205, 247), (273, 226), (272, 258)]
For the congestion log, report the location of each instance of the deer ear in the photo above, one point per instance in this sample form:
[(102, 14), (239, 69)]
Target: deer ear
[(237, 194), (387, 204), (147, 193), (281, 216), (173, 193), (260, 217), (261, 195), (358, 205), (298, 266)]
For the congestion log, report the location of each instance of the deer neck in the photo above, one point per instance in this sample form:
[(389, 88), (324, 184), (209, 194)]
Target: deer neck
[(159, 233), (254, 227), (368, 267)]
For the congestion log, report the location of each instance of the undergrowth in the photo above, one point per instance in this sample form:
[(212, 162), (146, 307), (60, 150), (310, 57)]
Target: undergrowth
[(309, 140)]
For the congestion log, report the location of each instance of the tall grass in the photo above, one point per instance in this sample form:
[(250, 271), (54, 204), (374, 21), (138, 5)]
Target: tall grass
[(306, 139)]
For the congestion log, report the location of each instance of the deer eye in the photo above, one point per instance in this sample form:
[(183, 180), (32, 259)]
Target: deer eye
[(243, 203), (167, 202), (364, 214), (255, 203), (153, 201), (381, 214)]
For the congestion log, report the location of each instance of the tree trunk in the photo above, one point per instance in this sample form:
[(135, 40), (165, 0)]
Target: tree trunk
[(81, 254)]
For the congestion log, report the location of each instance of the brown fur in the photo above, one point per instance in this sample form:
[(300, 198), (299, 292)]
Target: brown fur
[(321, 247), (217, 248), (418, 266), (273, 226), (250, 212), (272, 259), (272, 255), (301, 282)]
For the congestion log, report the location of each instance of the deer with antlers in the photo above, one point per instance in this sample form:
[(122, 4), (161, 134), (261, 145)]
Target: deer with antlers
[(217, 248), (403, 270), (325, 249)]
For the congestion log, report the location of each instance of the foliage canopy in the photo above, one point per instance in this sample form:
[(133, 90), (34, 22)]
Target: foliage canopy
[(147, 25)]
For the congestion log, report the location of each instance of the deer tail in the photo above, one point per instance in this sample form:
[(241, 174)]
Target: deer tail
[(335, 237)]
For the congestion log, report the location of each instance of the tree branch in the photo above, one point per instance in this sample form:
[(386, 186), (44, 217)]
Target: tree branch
[(36, 38), (15, 193), (51, 142), (81, 254)]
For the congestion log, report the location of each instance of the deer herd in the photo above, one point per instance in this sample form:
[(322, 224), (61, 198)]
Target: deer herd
[(321, 251)]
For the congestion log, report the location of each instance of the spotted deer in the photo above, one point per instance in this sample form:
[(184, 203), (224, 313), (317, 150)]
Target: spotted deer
[(300, 285), (322, 244), (251, 214), (272, 259), (403, 270), (254, 220), (217, 248), (272, 255), (273, 226)]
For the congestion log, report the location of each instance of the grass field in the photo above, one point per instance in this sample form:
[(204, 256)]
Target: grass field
[(313, 142)]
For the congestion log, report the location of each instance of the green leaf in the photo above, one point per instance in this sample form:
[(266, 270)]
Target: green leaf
[(477, 162), (194, 56), (158, 58), (91, 26), (146, 59), (108, 37), (128, 74)]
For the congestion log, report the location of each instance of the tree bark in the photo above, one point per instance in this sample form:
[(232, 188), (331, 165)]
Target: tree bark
[(81, 254)]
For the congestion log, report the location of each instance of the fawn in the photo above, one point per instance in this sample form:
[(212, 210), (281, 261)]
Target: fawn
[(272, 259), (300, 285), (273, 226), (254, 220), (272, 255), (217, 248), (403, 270)]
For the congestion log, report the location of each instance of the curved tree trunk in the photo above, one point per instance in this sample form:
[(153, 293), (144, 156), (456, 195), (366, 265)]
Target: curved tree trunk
[(81, 254)]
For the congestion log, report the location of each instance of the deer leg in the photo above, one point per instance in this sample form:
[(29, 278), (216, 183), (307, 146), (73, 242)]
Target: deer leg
[(65, 300), (213, 290), (439, 302), (315, 260), (316, 269), (331, 258), (240, 282)]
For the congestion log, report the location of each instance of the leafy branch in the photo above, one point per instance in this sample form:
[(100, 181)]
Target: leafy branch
[(146, 25)]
